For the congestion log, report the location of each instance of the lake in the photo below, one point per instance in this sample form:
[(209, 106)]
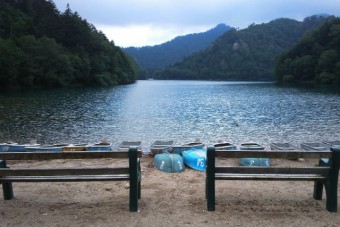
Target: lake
[(179, 110)]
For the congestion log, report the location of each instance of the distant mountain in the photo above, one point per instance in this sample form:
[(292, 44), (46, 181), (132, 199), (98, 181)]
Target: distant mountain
[(160, 56), (247, 54)]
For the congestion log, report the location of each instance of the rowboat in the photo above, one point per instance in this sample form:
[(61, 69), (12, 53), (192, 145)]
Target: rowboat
[(101, 146), (331, 143), (253, 161), (15, 147), (46, 148), (75, 147), (224, 146), (195, 158), (161, 146), (316, 146), (251, 146), (283, 146), (170, 163), (178, 149), (125, 145)]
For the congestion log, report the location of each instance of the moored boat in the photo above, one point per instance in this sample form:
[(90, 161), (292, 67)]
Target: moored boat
[(75, 147), (224, 146), (316, 146), (161, 146), (253, 161), (101, 146), (15, 147), (178, 149), (46, 148), (283, 146), (331, 143), (169, 163), (125, 145), (195, 158)]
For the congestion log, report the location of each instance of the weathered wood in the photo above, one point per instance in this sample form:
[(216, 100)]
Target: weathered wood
[(65, 155), (131, 172), (70, 178), (61, 172), (270, 177), (324, 171), (272, 154)]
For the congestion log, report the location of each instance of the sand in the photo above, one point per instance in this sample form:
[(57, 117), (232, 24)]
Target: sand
[(167, 200)]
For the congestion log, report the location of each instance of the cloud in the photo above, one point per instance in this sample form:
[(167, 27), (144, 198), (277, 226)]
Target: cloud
[(153, 20)]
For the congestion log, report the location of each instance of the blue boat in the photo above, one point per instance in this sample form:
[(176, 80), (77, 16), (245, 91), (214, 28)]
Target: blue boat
[(15, 147), (178, 149), (161, 146), (224, 146), (169, 163), (46, 148), (101, 146), (253, 161), (195, 158)]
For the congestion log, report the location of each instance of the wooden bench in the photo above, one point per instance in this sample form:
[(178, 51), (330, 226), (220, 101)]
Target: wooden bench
[(131, 172), (326, 173)]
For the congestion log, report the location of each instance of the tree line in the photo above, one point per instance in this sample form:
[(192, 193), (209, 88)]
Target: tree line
[(42, 47), (314, 59)]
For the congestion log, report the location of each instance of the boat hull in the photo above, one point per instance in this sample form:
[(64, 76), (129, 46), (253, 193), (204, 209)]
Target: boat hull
[(169, 163), (160, 146), (224, 146), (179, 149), (125, 145), (283, 146), (103, 146), (195, 158), (315, 146), (253, 161)]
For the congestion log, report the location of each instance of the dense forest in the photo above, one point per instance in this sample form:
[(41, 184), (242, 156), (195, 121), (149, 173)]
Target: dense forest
[(314, 59), (151, 58), (247, 54), (42, 47)]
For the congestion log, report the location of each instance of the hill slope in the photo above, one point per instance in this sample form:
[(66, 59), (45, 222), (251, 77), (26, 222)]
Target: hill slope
[(248, 54), (41, 47), (160, 56), (316, 58)]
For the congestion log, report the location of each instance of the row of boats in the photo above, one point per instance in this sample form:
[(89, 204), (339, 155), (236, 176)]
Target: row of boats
[(161, 146)]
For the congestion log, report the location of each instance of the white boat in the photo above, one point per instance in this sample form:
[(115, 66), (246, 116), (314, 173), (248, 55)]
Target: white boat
[(125, 145), (161, 146)]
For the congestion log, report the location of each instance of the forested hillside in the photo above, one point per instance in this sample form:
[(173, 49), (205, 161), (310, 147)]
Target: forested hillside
[(315, 59), (41, 47), (247, 54), (151, 58)]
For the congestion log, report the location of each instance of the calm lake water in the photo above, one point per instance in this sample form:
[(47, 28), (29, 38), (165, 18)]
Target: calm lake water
[(179, 110)]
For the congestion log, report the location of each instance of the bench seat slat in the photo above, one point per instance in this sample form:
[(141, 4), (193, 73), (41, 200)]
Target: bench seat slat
[(66, 171), (287, 177), (75, 178), (65, 155), (273, 154), (272, 170)]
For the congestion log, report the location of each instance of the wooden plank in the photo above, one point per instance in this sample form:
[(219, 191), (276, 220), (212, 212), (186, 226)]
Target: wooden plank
[(270, 177), (64, 171), (273, 154), (273, 170), (65, 155), (119, 177)]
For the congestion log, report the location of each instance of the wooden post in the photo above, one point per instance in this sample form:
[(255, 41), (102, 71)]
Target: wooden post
[(332, 180), (7, 188), (210, 179), (318, 185), (133, 168)]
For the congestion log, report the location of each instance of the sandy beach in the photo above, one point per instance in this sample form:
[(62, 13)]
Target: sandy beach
[(167, 200)]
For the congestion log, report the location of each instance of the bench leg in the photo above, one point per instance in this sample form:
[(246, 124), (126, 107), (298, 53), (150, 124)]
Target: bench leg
[(134, 189), (210, 179), (7, 190), (318, 189), (332, 181)]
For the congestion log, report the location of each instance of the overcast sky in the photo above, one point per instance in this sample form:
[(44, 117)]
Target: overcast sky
[(151, 22)]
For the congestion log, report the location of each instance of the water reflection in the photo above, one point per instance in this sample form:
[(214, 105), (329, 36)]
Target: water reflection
[(179, 110)]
